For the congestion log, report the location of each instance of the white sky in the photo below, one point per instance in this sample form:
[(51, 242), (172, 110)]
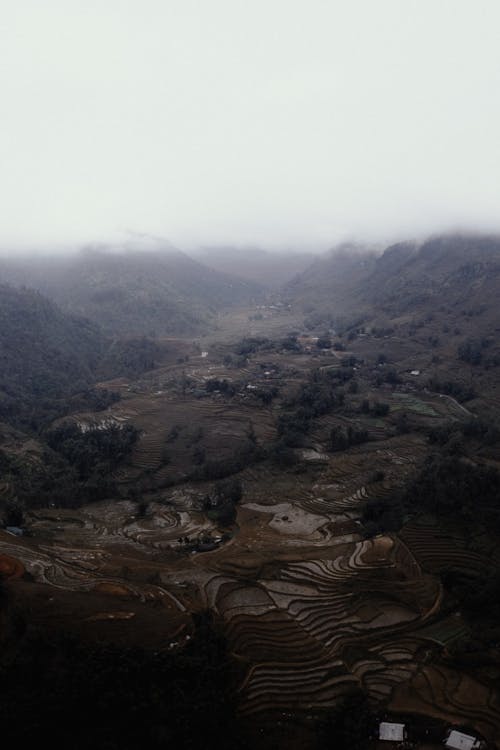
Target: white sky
[(277, 122)]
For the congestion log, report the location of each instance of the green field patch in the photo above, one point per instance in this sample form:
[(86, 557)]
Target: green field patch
[(410, 403)]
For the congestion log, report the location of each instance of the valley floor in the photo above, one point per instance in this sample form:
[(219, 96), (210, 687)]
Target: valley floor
[(311, 608)]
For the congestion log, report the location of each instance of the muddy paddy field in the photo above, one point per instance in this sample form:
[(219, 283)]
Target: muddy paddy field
[(311, 605)]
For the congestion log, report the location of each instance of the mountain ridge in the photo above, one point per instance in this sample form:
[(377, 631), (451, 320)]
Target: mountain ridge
[(133, 292)]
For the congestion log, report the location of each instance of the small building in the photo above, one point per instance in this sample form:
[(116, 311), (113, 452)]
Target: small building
[(391, 732), (460, 741)]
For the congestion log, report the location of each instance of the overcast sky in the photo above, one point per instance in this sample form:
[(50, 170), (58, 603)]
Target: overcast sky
[(272, 122)]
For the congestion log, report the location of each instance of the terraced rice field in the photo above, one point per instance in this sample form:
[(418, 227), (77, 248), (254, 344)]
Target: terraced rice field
[(406, 402), (294, 628), (310, 608)]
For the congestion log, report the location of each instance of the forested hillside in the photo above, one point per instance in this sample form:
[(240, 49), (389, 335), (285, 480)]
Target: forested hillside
[(444, 276), (48, 356), (133, 292), (44, 354)]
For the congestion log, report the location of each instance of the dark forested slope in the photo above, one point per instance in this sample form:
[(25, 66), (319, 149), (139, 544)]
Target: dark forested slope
[(48, 356), (44, 354)]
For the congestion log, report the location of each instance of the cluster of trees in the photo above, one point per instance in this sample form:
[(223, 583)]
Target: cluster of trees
[(377, 409), (222, 386), (221, 504), (319, 398), (75, 468), (446, 487), (472, 350), (449, 486), (342, 438), (387, 375), (95, 450), (321, 394), (290, 343), (245, 455), (459, 391), (452, 436), (324, 341), (478, 352), (345, 373), (250, 345), (382, 515), (293, 427), (37, 483), (129, 357), (282, 453), (266, 394)]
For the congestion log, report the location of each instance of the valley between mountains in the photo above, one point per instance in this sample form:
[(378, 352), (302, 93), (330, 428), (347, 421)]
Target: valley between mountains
[(318, 484)]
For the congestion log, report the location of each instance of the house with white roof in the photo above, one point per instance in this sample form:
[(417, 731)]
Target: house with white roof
[(391, 732), (459, 741)]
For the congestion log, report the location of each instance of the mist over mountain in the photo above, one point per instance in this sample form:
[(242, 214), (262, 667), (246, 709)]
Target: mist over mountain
[(447, 273), (132, 291), (446, 270), (270, 269), (172, 513), (333, 277), (250, 375)]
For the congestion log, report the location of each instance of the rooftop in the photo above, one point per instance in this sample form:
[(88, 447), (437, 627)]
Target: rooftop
[(391, 732), (460, 741)]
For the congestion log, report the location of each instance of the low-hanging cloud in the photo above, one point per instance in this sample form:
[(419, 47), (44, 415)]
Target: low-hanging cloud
[(276, 122)]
